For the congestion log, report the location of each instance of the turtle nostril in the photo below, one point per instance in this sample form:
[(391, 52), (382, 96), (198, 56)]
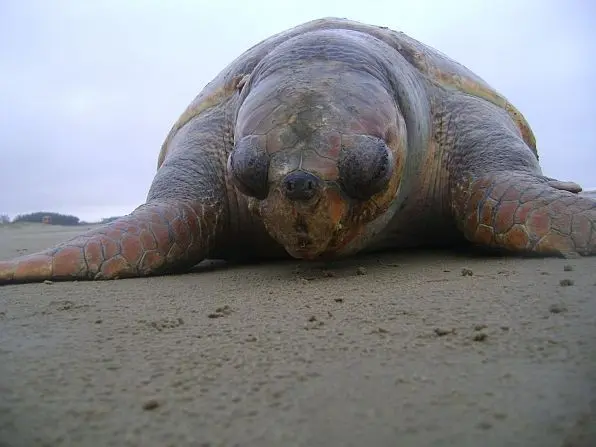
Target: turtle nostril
[(300, 185)]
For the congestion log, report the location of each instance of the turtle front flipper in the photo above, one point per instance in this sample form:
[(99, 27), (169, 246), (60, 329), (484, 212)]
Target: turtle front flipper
[(158, 237), (497, 193), (520, 212)]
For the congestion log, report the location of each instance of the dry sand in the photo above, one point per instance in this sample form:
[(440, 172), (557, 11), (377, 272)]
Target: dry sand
[(397, 349)]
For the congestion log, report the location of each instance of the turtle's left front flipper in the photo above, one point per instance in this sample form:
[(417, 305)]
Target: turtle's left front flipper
[(498, 195), (521, 212)]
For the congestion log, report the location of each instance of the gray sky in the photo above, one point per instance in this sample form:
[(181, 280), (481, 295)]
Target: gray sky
[(89, 90)]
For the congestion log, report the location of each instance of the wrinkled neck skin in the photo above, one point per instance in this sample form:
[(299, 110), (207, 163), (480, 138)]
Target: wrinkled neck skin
[(306, 112)]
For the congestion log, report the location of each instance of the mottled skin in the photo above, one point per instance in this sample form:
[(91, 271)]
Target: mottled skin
[(332, 138)]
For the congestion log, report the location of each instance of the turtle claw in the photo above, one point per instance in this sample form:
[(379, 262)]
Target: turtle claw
[(156, 238), (565, 186), (524, 213)]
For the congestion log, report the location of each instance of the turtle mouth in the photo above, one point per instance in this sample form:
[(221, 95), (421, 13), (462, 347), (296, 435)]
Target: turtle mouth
[(305, 247), (304, 244), (306, 230)]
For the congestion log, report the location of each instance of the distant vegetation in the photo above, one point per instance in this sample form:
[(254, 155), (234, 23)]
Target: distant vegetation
[(51, 219)]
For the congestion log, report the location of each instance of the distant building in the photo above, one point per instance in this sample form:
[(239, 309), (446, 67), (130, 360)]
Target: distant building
[(46, 220)]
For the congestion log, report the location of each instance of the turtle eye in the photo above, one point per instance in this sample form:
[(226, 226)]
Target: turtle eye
[(248, 165), (365, 166)]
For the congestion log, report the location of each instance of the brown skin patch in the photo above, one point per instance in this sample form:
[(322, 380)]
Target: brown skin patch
[(67, 261), (326, 168), (36, 266)]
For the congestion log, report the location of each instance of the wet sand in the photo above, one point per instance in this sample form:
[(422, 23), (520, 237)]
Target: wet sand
[(417, 348)]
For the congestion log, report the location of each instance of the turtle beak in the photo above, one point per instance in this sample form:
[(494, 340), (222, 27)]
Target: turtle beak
[(304, 215)]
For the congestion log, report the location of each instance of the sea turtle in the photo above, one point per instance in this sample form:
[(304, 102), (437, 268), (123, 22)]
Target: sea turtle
[(331, 138)]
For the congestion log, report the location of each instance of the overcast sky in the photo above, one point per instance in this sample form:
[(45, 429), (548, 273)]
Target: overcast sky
[(89, 90)]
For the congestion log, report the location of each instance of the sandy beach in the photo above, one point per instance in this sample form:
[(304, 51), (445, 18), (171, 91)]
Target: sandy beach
[(417, 348)]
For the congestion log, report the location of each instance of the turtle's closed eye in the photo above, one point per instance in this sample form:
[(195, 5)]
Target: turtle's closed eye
[(365, 166), (249, 165)]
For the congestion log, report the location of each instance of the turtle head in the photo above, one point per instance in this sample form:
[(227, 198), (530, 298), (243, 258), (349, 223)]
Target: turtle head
[(319, 152)]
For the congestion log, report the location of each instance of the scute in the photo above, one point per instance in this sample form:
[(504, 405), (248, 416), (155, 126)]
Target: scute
[(449, 74), (437, 67)]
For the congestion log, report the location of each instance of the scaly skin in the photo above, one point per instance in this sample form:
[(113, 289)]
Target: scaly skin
[(522, 213), (156, 238)]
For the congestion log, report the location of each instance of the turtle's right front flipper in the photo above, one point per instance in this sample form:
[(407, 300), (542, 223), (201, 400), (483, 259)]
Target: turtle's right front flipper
[(158, 237), (185, 216)]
